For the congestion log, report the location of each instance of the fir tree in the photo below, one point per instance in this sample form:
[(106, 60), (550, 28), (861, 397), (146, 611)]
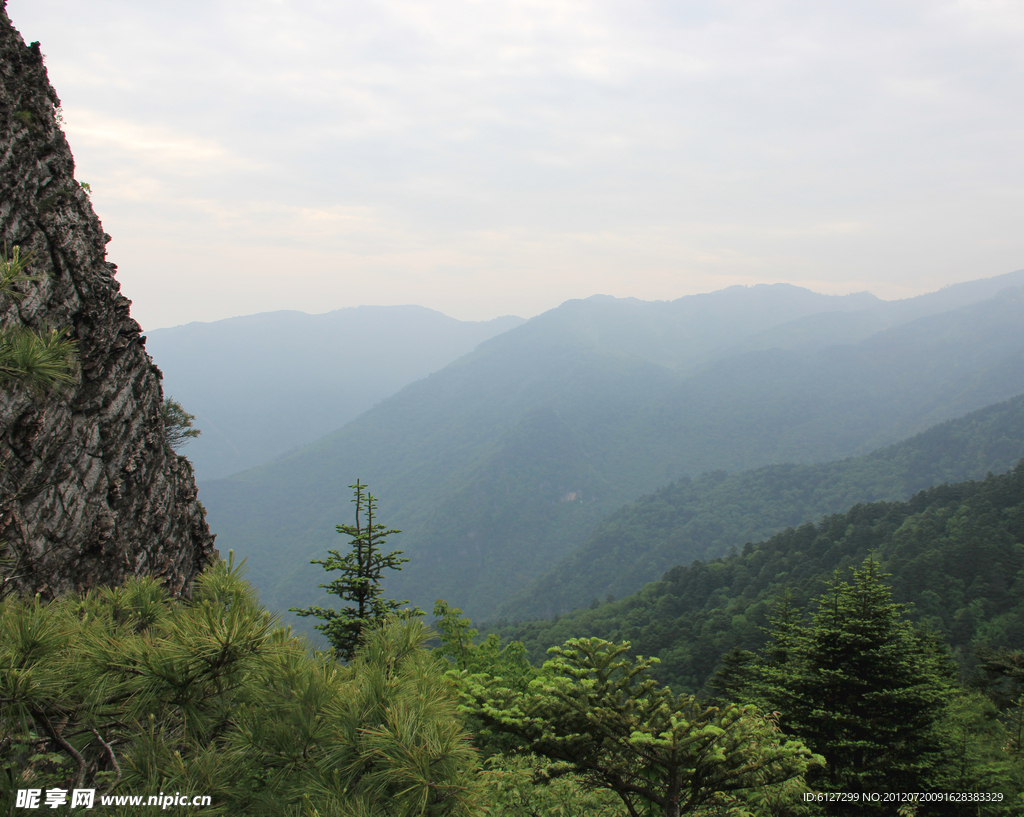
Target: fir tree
[(861, 685), (594, 713), (360, 583)]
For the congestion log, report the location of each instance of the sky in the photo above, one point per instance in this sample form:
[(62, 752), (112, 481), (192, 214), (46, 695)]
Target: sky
[(492, 157)]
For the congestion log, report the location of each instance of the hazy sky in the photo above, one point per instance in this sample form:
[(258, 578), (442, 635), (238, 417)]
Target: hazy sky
[(501, 156)]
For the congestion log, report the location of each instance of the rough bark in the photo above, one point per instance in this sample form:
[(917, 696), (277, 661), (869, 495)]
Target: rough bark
[(90, 493)]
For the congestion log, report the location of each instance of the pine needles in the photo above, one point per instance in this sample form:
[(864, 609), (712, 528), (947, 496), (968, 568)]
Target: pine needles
[(37, 361)]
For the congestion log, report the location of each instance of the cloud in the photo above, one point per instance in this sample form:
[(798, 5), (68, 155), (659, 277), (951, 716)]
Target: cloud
[(157, 146), (488, 157)]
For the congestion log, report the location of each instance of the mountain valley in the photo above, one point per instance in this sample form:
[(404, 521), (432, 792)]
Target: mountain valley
[(502, 463)]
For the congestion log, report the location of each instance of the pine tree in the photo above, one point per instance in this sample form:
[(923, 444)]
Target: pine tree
[(178, 428), (127, 690), (39, 360), (360, 583)]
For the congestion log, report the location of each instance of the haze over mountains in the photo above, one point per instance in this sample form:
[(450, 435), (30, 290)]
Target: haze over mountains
[(263, 384), (501, 463), (260, 385), (716, 513)]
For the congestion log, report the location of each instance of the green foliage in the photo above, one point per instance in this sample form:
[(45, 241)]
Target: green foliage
[(860, 685), (988, 738), (526, 786), (978, 754), (595, 713), (360, 581), (129, 690), (178, 429), (1001, 674), (875, 696), (509, 663), (12, 271), (954, 553), (38, 361)]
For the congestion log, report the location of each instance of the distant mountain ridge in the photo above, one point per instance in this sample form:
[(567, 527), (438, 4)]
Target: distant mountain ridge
[(263, 384), (690, 332), (465, 460)]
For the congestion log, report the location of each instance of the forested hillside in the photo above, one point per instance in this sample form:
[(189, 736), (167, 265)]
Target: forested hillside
[(501, 464), (821, 586), (260, 385), (703, 518), (955, 552)]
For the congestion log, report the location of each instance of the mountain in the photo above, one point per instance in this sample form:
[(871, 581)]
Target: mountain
[(704, 518), (89, 489), (260, 385), (500, 464), (953, 553), (852, 326)]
